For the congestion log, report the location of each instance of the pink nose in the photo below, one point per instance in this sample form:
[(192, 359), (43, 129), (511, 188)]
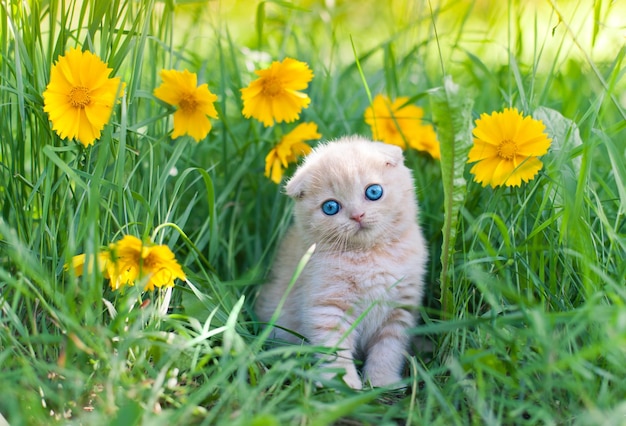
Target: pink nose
[(357, 217)]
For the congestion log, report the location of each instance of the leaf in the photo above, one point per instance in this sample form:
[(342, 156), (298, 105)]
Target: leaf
[(563, 162), (563, 131), (452, 113), (232, 340)]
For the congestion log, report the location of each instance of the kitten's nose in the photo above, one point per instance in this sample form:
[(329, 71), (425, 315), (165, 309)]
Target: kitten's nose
[(357, 216)]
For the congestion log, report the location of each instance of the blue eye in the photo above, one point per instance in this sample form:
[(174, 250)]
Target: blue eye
[(374, 192), (331, 207)]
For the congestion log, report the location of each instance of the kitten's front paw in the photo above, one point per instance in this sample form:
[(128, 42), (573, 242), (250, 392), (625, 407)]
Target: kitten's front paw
[(351, 378), (392, 381)]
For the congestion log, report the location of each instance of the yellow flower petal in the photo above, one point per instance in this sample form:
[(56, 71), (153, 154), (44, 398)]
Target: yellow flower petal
[(298, 149), (506, 147), (504, 173), (488, 128), (481, 151), (271, 162), (159, 264), (424, 139), (276, 172), (78, 263), (182, 124), (484, 172), (87, 132), (289, 149), (197, 125)]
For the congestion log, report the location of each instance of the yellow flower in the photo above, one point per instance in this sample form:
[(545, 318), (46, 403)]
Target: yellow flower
[(130, 260), (105, 261), (194, 103), (506, 147), (137, 261), (397, 123), (290, 147), (275, 96), (80, 96), (78, 263)]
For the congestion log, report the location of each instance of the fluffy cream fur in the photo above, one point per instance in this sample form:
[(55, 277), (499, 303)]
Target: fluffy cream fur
[(359, 291)]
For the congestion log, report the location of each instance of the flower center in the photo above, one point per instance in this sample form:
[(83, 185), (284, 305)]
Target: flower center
[(147, 257), (188, 103), (79, 97), (272, 86), (507, 149), (148, 263)]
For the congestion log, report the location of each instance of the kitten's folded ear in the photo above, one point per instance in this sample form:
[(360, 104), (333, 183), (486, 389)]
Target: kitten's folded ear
[(296, 185), (393, 153)]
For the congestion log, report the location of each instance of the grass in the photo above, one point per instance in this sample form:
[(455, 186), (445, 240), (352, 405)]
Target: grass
[(525, 308)]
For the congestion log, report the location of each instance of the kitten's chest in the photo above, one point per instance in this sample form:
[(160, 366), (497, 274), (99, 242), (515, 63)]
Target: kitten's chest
[(370, 294), (360, 279)]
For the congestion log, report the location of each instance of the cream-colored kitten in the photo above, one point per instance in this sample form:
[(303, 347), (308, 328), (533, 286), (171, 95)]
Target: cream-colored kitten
[(355, 200)]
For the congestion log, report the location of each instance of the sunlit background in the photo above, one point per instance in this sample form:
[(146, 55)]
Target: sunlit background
[(558, 30)]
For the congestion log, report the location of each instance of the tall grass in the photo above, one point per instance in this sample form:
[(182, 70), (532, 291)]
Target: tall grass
[(524, 320)]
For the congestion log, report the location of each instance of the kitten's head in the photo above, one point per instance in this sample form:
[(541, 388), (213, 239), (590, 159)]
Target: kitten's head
[(353, 194)]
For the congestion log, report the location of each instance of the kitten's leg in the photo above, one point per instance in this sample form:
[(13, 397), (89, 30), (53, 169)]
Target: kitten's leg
[(386, 350), (329, 327)]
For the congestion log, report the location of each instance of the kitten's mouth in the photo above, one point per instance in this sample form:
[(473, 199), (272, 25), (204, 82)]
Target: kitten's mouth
[(359, 222), (361, 227)]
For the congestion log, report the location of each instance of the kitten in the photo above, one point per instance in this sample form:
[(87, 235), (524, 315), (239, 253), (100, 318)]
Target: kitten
[(355, 200)]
